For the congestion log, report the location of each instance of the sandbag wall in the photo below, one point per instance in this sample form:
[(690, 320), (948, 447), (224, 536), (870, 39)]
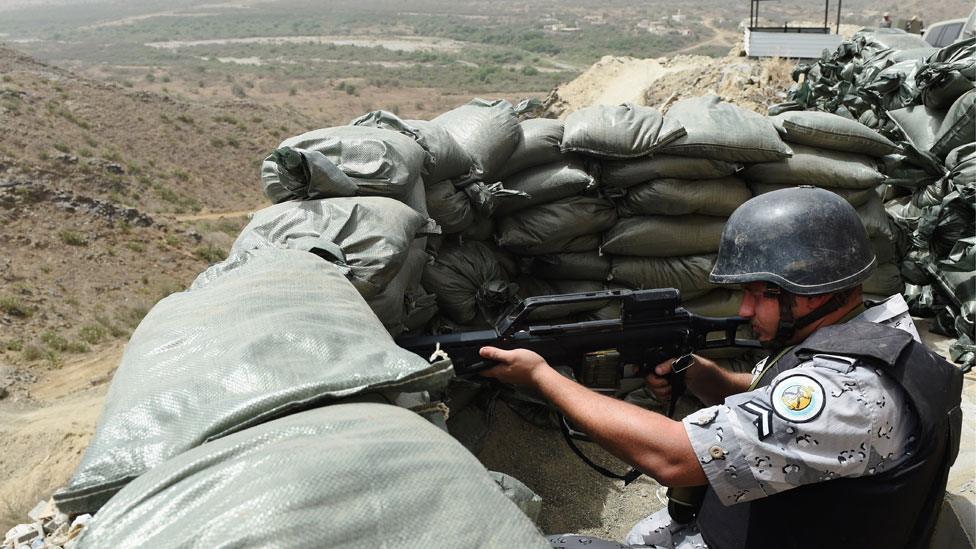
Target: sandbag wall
[(274, 370), (924, 100), (614, 197)]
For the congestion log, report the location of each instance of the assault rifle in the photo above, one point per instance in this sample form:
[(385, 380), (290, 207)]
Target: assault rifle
[(651, 327)]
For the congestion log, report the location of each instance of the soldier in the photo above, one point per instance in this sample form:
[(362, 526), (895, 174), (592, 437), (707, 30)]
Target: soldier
[(842, 437), (885, 21)]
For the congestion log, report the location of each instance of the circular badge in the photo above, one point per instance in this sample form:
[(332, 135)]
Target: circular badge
[(798, 398)]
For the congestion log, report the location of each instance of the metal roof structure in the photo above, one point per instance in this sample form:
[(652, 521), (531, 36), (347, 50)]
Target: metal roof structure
[(754, 20)]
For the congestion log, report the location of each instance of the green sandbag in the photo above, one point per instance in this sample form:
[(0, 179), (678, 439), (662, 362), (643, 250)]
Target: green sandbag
[(568, 266), (541, 139), (961, 163), (874, 217), (623, 174), (488, 131), (718, 197), (263, 334), (469, 281), (919, 124), (885, 280), (403, 304), (689, 274), (828, 131), (820, 168), (449, 207), (446, 159), (377, 161), (543, 184), (348, 475), (552, 228), (718, 302), (612, 131), (854, 197), (958, 126), (664, 236), (721, 131), (367, 238)]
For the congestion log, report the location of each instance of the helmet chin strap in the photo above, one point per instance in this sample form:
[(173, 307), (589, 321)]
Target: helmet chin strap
[(788, 325)]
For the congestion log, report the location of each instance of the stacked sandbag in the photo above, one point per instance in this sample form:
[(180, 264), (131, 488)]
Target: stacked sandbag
[(843, 156), (673, 201), (377, 242), (348, 475), (472, 283), (346, 161), (264, 334), (925, 101), (447, 162)]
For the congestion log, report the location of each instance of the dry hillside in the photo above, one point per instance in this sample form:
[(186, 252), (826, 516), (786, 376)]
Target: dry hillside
[(103, 196)]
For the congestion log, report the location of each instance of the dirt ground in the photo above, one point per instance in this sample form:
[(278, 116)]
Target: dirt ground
[(45, 429)]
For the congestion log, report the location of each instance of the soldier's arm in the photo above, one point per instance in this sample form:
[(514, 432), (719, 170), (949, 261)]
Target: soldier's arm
[(653, 443), (706, 380)]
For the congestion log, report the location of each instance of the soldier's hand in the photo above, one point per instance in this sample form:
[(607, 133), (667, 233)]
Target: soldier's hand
[(657, 381), (516, 366)]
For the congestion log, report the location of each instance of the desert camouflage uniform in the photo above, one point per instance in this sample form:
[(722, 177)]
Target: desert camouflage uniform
[(821, 420)]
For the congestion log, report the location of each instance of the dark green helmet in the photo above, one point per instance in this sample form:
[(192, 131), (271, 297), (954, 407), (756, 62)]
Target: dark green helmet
[(805, 240)]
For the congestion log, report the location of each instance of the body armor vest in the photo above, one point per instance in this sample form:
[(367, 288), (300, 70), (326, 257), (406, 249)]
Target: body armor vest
[(896, 508)]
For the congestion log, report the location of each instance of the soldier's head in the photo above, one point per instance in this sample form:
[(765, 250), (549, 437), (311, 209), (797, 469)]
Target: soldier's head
[(801, 255)]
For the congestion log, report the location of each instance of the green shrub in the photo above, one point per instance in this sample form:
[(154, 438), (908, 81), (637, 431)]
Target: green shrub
[(14, 345), (210, 253), (32, 352), (73, 238), (14, 307), (54, 341)]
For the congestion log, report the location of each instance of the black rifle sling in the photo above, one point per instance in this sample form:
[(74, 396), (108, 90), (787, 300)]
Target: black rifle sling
[(627, 477)]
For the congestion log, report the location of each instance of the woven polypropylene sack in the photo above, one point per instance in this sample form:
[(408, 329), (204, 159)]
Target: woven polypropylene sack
[(445, 158), (347, 475), (488, 131), (919, 124), (875, 219), (608, 131), (664, 236), (829, 131), (721, 131), (403, 304), (541, 138), (818, 167), (689, 274), (568, 266), (854, 197), (281, 331), (623, 174), (543, 184), (367, 238), (549, 228), (449, 207), (718, 197), (380, 162), (469, 282), (718, 302), (885, 280), (958, 127)]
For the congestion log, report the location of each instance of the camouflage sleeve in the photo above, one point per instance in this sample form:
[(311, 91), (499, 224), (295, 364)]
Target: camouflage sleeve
[(821, 420)]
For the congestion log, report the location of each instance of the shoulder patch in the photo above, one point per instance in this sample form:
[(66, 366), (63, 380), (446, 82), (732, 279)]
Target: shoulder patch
[(798, 398)]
